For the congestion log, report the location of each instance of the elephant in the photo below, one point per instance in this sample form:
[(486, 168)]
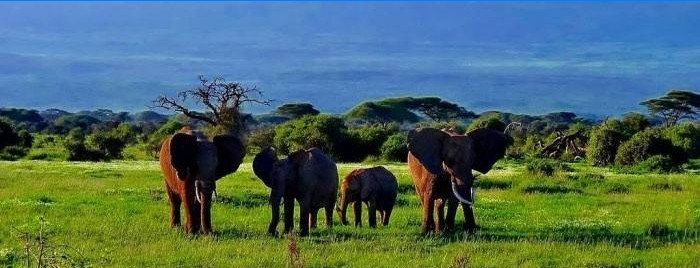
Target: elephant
[(192, 164), (309, 176), (376, 187), (441, 165)]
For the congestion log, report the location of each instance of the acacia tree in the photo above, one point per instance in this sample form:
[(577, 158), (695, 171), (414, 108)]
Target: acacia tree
[(675, 106), (223, 103)]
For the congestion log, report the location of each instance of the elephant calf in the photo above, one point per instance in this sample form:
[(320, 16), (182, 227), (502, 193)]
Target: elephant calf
[(376, 187)]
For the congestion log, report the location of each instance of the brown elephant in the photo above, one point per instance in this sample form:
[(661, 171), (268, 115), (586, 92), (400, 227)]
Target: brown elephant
[(309, 176), (441, 165), (191, 164), (376, 187)]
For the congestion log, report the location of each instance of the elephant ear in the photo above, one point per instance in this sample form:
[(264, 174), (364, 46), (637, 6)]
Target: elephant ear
[(489, 146), (230, 152), (426, 145), (183, 154), (263, 163)]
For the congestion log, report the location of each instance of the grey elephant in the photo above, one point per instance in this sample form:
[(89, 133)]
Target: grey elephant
[(376, 187), (308, 176), (441, 165)]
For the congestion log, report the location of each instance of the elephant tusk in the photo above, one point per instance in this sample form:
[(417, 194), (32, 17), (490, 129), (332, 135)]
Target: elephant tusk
[(213, 196), (196, 194), (462, 199)]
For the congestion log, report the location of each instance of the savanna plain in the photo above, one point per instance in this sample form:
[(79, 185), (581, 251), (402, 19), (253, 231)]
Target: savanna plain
[(116, 214)]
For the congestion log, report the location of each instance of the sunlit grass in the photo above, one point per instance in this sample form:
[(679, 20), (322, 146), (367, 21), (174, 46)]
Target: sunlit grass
[(116, 214)]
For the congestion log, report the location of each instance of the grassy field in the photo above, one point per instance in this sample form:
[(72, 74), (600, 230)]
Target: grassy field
[(116, 214)]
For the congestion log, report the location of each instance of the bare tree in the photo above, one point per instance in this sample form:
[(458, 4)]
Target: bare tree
[(223, 103)]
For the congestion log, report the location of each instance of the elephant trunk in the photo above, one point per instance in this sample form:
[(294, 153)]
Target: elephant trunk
[(460, 196), (342, 208), (275, 201)]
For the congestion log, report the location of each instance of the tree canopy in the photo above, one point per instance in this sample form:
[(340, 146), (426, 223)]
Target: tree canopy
[(408, 109), (675, 106), (296, 110)]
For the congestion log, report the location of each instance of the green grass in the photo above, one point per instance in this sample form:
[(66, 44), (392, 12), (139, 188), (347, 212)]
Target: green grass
[(116, 214)]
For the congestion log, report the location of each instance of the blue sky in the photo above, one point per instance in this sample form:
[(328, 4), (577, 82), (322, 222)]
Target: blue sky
[(594, 58)]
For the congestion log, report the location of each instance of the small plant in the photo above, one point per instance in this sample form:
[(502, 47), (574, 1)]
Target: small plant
[(665, 186), (545, 167), (617, 188), (37, 248), (295, 260), (460, 261)]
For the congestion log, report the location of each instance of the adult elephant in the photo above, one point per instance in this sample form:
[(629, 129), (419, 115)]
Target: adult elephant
[(309, 176), (441, 165), (192, 164)]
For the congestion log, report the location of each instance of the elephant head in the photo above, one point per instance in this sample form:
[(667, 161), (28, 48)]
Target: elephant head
[(197, 159), (456, 156)]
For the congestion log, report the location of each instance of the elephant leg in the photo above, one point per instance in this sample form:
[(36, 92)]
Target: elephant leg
[(440, 209), (175, 202), (387, 215), (304, 214), (451, 213), (372, 213), (272, 228), (288, 215), (329, 215), (191, 209), (313, 218), (357, 209), (428, 221), (469, 222)]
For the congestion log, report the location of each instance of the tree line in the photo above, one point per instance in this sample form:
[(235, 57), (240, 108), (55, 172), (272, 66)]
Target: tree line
[(663, 140)]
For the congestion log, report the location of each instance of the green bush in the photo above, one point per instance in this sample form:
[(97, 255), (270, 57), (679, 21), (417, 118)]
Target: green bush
[(602, 145), (394, 148), (8, 136), (154, 140), (657, 164), (491, 121), (545, 167), (74, 143), (325, 132), (13, 152), (261, 138), (646, 144), (366, 141), (111, 142), (685, 136)]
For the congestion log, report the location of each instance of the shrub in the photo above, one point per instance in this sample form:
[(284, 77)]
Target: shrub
[(156, 138), (111, 142), (394, 148), (74, 143), (657, 164), (644, 145), (543, 166), (325, 132), (13, 152), (685, 136), (665, 185), (617, 188), (261, 138), (366, 141), (492, 122), (602, 145), (8, 136)]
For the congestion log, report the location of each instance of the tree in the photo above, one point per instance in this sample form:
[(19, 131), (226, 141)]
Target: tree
[(675, 106), (296, 110), (223, 102)]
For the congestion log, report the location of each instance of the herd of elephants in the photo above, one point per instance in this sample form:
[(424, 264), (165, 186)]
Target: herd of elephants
[(440, 162)]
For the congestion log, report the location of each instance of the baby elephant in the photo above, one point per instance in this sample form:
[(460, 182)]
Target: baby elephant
[(376, 187)]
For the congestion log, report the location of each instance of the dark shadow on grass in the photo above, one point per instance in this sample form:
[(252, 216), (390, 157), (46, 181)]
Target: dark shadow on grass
[(655, 237)]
